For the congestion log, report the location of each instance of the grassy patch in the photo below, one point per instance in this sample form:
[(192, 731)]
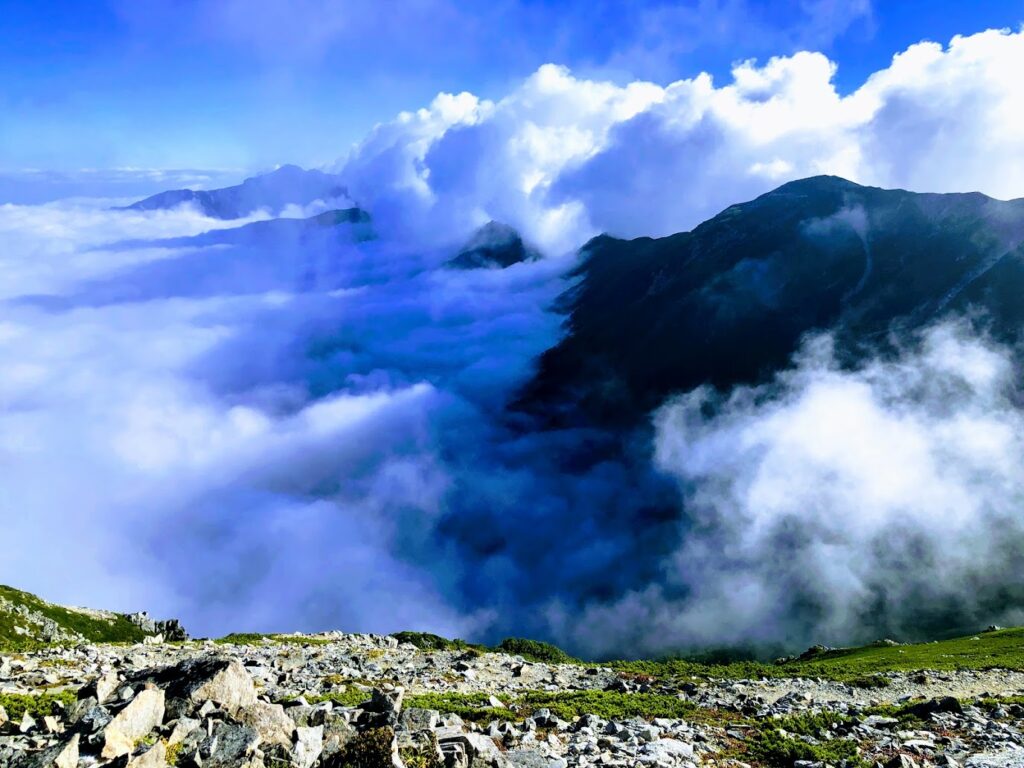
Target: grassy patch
[(37, 705), (475, 707), (1003, 701), (426, 641), (611, 705), (770, 748), (1002, 649), (531, 650), (259, 638), (689, 669), (863, 667), (870, 682), (350, 697), (567, 705), (534, 650)]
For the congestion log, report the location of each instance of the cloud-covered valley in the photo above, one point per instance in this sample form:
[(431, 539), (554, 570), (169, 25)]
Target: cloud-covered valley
[(234, 449), (261, 425)]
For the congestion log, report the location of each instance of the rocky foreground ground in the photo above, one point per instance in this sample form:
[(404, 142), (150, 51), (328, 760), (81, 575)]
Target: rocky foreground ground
[(364, 701)]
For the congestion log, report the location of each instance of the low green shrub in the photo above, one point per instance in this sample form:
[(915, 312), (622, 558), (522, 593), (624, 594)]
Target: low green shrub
[(37, 705), (370, 749), (535, 650), (870, 681), (426, 641), (610, 705), (768, 747), (475, 707)]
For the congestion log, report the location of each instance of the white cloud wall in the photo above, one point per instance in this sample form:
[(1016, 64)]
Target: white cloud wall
[(563, 158)]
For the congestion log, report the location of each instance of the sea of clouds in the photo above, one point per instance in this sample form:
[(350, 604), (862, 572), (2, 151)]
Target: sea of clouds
[(307, 431)]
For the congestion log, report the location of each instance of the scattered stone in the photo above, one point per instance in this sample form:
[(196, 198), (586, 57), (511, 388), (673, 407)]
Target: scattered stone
[(250, 706), (61, 755)]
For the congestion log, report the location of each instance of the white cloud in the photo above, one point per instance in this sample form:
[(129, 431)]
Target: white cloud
[(247, 432), (835, 504), (564, 158)]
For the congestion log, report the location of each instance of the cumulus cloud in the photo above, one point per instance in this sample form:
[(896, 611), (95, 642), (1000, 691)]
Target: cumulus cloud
[(563, 158), (837, 505)]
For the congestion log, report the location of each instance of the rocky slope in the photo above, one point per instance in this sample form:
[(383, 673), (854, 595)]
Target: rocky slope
[(27, 621), (367, 701)]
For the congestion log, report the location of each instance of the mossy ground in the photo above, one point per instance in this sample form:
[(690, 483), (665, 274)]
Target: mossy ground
[(173, 752)]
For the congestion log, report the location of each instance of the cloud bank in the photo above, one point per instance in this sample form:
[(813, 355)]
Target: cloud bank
[(564, 158), (251, 431), (284, 427)]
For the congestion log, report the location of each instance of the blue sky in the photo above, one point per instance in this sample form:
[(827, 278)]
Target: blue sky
[(246, 84)]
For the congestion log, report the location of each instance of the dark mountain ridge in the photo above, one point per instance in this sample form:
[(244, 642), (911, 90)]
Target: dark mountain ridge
[(729, 302)]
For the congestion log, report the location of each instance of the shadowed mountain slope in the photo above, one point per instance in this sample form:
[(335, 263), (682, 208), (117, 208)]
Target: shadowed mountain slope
[(729, 302)]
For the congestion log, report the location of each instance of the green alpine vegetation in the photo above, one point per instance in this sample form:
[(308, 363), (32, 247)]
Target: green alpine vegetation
[(38, 705), (258, 638), (426, 641), (531, 650), (863, 667), (21, 612), (566, 705), (534, 650)]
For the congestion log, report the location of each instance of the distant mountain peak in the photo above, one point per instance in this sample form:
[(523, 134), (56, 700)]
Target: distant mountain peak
[(287, 185), (494, 245)]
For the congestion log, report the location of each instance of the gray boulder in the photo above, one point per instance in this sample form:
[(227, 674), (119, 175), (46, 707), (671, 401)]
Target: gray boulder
[(190, 683), (142, 714)]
